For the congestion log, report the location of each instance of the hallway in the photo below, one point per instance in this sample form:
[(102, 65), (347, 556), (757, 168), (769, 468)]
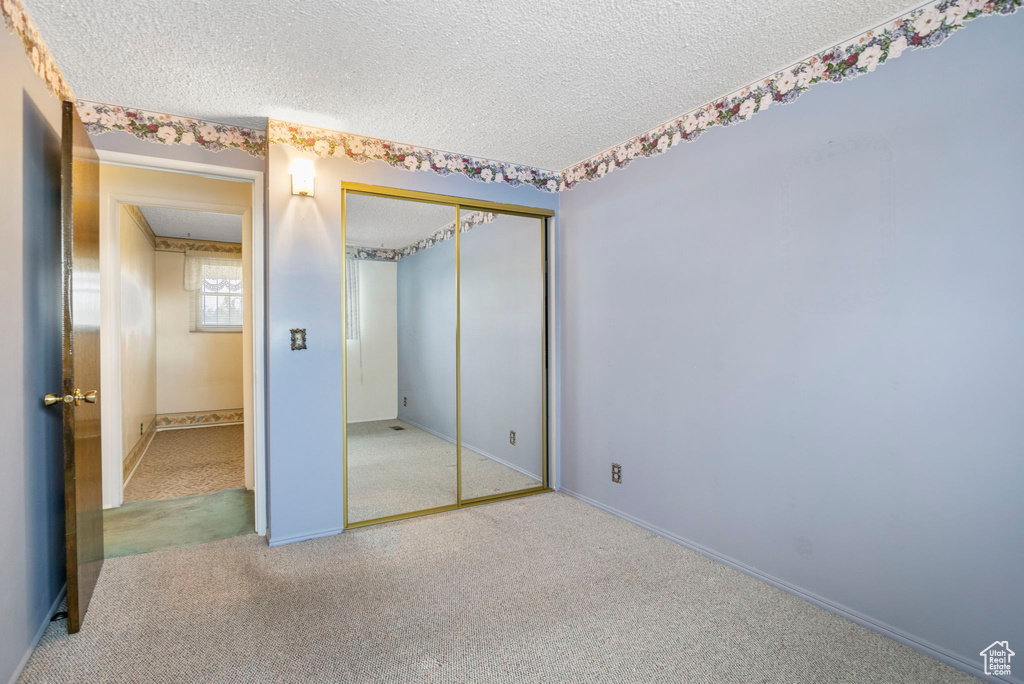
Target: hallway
[(191, 461), (189, 488)]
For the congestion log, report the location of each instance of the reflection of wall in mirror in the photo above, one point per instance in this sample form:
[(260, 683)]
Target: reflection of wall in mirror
[(373, 357), (502, 328), (426, 339)]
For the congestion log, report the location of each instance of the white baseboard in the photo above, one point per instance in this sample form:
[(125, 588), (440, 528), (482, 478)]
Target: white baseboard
[(885, 630), (473, 449), (38, 635)]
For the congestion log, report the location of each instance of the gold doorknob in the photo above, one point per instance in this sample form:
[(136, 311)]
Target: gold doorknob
[(76, 398)]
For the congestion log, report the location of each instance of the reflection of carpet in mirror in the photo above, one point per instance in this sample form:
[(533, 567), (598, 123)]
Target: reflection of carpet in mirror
[(191, 461), (401, 471)]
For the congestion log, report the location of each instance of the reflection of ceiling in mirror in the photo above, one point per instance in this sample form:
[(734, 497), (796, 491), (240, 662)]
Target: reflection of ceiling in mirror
[(388, 223), (469, 220)]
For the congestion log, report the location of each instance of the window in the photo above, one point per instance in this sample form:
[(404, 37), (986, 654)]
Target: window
[(217, 303)]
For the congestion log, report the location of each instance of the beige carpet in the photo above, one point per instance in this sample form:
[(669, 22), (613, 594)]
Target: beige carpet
[(401, 471), (186, 462), (539, 589)]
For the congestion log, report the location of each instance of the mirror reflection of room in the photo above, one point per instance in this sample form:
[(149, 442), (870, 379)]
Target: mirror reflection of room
[(401, 407), (402, 312), (501, 353)]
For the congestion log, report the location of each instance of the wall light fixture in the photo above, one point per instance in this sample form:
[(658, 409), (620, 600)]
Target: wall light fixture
[(302, 177)]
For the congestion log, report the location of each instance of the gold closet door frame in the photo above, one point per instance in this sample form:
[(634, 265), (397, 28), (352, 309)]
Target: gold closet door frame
[(459, 203)]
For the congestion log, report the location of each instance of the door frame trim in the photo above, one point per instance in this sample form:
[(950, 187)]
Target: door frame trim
[(110, 315)]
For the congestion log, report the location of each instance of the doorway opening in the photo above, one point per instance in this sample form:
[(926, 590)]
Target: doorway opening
[(180, 453)]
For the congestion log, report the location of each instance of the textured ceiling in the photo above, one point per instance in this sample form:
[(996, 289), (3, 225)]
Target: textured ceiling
[(200, 225), (391, 223), (539, 83)]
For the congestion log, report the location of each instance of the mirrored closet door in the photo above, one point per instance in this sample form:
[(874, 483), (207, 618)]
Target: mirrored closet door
[(501, 266), (400, 329), (446, 333)]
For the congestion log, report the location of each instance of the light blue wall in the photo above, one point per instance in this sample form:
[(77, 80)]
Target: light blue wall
[(32, 486), (502, 297), (426, 338), (803, 339), (502, 332), (304, 291)]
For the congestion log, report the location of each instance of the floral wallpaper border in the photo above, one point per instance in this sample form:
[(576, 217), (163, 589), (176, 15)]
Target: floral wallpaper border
[(924, 27), (170, 244), (169, 129), (326, 143), (18, 22), (470, 221), (140, 220), (179, 420)]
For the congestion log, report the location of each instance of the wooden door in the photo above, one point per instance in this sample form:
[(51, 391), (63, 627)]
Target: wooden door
[(80, 293)]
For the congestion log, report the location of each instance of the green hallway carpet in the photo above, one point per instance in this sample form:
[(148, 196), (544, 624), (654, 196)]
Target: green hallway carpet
[(144, 526)]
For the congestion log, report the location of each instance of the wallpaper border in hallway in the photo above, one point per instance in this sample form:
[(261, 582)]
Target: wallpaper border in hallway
[(143, 224), (19, 23), (165, 421), (173, 244)]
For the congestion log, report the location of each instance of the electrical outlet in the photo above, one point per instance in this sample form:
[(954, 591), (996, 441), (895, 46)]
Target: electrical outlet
[(616, 473), (140, 428), (512, 437), (405, 401)]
